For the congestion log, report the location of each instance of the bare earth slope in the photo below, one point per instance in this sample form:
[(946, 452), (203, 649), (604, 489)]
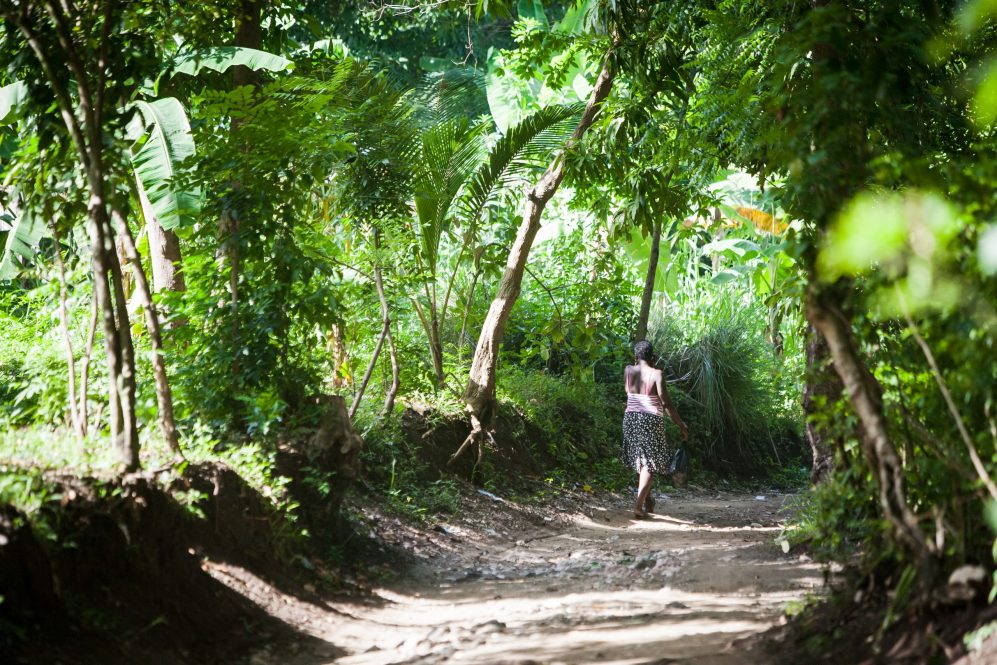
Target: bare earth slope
[(591, 584)]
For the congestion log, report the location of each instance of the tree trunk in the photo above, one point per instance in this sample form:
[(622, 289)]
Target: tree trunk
[(430, 326), (822, 389), (436, 349), (480, 393), (164, 396), (467, 310), (126, 442), (85, 369), (389, 397), (164, 250), (867, 400), (385, 330), (652, 269), (248, 33), (126, 279), (334, 343), (87, 136), (78, 425)]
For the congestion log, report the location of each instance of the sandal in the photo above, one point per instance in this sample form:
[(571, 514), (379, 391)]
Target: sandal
[(649, 504), (640, 516)]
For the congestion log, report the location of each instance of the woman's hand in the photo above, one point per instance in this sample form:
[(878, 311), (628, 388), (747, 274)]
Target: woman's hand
[(685, 431)]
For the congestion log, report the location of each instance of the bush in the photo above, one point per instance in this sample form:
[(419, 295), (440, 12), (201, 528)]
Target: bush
[(721, 374), (580, 419)]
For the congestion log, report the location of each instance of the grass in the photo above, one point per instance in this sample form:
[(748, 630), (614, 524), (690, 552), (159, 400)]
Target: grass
[(722, 374)]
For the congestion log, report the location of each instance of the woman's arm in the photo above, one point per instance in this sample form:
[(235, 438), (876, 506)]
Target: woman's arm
[(667, 402)]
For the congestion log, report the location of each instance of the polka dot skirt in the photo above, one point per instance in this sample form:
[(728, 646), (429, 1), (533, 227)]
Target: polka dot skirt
[(644, 443)]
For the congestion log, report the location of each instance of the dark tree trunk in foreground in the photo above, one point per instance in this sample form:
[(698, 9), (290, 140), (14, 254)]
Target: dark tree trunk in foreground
[(866, 397), (480, 393), (652, 270), (822, 389)]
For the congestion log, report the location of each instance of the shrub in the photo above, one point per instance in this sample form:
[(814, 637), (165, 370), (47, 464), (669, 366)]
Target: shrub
[(721, 374)]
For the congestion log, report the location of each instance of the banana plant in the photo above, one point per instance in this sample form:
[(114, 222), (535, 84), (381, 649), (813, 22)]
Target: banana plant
[(162, 140), (767, 258), (20, 233)]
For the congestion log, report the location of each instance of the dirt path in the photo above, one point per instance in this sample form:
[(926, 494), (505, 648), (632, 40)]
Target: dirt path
[(596, 586)]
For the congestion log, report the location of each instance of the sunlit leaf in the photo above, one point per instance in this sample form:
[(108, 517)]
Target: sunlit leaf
[(168, 142), (21, 243), (737, 246), (11, 98), (509, 98), (221, 58), (986, 251)]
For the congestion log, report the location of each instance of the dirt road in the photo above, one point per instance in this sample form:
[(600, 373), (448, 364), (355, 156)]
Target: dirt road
[(593, 585)]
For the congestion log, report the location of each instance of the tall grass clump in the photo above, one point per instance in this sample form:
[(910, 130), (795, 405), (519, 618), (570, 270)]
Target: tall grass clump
[(722, 375)]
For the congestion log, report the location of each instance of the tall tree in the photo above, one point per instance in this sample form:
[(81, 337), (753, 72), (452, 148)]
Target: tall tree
[(73, 47), (479, 396)]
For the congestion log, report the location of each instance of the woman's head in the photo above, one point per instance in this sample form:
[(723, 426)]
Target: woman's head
[(644, 351)]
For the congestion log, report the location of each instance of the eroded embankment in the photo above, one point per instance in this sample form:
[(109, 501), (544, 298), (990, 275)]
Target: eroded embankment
[(113, 571)]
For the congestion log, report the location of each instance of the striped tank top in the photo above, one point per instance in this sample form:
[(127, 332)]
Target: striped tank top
[(637, 403)]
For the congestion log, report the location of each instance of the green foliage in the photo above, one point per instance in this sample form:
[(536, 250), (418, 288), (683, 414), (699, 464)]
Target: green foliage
[(837, 519), (725, 379), (402, 472), (33, 376), (576, 313), (579, 419), (164, 144), (874, 170), (221, 58)]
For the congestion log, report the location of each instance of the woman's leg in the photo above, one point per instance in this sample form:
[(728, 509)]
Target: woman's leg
[(643, 490)]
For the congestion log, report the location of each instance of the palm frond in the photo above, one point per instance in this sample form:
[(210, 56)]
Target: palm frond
[(448, 155), (526, 146), (451, 94)]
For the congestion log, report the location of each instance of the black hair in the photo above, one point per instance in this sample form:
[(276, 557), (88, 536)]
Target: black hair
[(644, 351)]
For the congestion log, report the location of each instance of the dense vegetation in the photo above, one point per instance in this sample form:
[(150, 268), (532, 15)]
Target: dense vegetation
[(405, 219)]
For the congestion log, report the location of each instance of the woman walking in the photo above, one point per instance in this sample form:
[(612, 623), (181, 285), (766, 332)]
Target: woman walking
[(645, 448)]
